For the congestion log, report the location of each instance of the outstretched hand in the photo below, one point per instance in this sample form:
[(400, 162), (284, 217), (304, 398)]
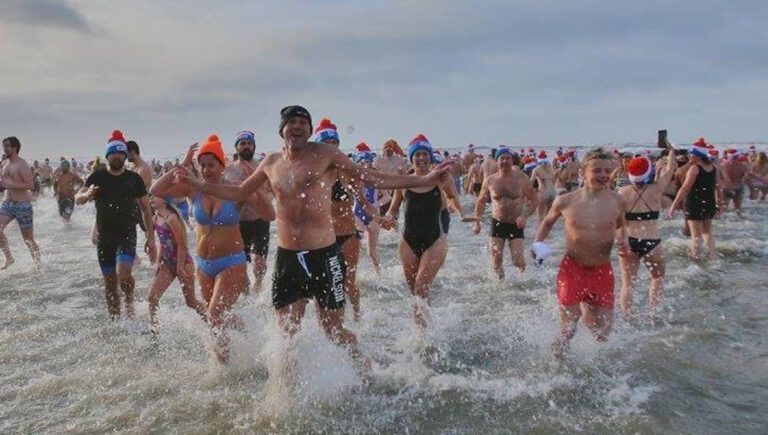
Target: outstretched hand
[(439, 173)]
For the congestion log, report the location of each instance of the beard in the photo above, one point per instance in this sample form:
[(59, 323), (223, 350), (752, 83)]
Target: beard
[(245, 154), (116, 165)]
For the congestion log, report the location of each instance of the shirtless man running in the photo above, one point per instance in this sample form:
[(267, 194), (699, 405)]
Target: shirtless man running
[(46, 174), (253, 227), (594, 217), (475, 178), (735, 171), (308, 264), (65, 185), (16, 179), (509, 189), (390, 163)]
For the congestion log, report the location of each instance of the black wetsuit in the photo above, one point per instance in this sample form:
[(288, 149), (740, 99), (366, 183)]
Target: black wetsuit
[(116, 203), (422, 219), (700, 203)]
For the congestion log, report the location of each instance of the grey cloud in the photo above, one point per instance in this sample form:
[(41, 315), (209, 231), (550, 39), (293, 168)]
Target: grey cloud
[(51, 13)]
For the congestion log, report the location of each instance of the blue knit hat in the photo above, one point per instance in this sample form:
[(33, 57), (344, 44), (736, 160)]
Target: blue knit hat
[(420, 143)]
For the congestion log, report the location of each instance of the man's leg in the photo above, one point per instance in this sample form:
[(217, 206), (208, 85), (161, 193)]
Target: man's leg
[(127, 285), (290, 316), (332, 322), (497, 256), (4, 220), (598, 320), (516, 249), (569, 319), (28, 234), (110, 293)]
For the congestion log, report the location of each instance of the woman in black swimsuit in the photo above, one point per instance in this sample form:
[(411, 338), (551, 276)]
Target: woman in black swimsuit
[(642, 202), (423, 245), (701, 198)]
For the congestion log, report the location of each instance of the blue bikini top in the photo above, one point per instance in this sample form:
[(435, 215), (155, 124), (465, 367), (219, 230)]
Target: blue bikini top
[(227, 215)]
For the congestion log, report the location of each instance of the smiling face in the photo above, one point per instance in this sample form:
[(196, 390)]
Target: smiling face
[(297, 131), (210, 167), (597, 173), (422, 160)]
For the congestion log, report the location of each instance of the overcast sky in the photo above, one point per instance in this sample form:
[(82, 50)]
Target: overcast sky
[(531, 72)]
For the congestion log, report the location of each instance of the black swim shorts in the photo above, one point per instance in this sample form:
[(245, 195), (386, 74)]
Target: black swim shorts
[(317, 274)]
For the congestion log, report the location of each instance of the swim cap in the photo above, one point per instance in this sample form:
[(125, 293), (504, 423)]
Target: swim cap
[(292, 112), (639, 169), (212, 146), (245, 135), (325, 131), (116, 144), (419, 143), (501, 151), (365, 156)]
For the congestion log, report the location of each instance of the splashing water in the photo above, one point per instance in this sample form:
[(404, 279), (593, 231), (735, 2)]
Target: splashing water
[(483, 365)]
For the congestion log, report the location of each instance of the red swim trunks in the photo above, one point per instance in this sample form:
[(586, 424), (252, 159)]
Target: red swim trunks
[(577, 283)]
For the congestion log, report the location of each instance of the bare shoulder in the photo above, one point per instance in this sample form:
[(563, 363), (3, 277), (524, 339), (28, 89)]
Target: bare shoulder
[(565, 200)]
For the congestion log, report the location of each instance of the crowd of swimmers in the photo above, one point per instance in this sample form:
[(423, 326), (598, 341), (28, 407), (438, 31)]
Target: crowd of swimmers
[(328, 204)]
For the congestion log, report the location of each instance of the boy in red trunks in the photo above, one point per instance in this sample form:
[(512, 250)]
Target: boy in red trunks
[(594, 216)]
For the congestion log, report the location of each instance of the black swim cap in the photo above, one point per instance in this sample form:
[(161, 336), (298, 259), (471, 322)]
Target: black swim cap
[(291, 112)]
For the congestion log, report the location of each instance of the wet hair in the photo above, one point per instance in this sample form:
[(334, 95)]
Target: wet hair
[(598, 153), (13, 142), (133, 146)]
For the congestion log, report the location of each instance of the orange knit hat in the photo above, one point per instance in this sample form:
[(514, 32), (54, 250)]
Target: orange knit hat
[(212, 146)]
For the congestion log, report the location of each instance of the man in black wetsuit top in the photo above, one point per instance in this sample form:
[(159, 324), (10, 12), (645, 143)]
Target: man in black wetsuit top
[(116, 192)]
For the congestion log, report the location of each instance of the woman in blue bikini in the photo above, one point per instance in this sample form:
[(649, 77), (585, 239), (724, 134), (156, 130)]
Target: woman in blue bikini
[(221, 265)]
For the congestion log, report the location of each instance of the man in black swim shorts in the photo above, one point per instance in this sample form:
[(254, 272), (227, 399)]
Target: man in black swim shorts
[(513, 201)]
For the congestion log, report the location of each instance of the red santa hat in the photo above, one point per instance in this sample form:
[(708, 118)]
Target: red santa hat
[(362, 146), (639, 169)]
